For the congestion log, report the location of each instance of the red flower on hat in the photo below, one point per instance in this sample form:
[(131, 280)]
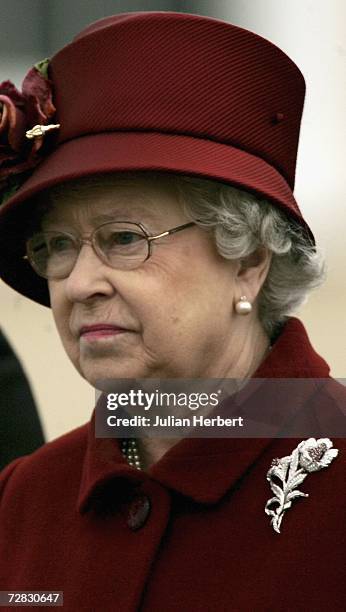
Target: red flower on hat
[(20, 111)]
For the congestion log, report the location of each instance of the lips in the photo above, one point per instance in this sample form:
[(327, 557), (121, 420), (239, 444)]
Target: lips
[(100, 329)]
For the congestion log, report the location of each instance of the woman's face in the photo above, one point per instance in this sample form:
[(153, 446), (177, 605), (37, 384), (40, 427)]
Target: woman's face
[(175, 311)]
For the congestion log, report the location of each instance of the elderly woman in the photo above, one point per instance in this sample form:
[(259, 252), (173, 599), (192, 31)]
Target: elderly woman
[(161, 228)]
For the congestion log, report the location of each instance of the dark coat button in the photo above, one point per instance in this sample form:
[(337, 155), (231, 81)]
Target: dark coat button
[(139, 511)]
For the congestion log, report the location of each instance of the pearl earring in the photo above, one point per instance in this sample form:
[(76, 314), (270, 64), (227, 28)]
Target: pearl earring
[(243, 306)]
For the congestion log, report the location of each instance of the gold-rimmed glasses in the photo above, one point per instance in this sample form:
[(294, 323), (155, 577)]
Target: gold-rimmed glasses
[(122, 245)]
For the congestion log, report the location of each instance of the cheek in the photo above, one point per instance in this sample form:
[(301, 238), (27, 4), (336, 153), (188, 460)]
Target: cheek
[(61, 310), (58, 305), (185, 301)]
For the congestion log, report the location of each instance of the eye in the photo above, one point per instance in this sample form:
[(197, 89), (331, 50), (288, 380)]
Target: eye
[(59, 243), (48, 242), (124, 238), (119, 239)]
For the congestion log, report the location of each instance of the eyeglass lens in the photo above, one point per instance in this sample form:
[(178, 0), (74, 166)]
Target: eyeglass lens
[(53, 254)]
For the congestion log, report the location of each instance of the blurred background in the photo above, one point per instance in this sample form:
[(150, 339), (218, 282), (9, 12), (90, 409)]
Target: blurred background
[(313, 34)]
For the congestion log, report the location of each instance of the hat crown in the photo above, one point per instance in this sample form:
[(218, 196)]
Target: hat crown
[(168, 92), (182, 74)]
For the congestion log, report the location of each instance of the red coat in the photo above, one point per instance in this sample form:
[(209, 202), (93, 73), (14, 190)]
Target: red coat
[(188, 535)]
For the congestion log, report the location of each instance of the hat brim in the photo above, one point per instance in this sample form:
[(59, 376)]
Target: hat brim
[(129, 151)]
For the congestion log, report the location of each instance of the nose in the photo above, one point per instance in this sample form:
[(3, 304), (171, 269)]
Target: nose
[(89, 277)]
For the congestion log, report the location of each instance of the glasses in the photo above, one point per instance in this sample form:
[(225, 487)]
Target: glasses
[(122, 245)]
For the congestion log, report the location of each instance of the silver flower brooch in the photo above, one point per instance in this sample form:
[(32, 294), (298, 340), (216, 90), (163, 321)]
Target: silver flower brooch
[(286, 474)]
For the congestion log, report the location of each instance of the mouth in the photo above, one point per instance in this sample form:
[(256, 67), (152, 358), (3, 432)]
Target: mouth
[(99, 331)]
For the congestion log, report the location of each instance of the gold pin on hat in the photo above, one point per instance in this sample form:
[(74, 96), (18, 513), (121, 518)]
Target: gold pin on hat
[(40, 130)]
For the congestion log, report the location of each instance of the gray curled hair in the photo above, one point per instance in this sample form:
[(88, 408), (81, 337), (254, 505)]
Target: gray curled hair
[(242, 223)]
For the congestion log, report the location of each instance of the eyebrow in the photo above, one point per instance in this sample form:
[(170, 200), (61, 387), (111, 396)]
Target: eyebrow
[(135, 215)]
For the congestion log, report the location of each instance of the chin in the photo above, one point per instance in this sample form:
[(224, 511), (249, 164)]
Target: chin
[(98, 377)]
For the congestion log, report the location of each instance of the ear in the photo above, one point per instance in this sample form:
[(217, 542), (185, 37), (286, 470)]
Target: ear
[(252, 272)]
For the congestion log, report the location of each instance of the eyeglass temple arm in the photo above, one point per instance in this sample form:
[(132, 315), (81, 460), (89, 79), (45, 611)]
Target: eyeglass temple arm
[(171, 231)]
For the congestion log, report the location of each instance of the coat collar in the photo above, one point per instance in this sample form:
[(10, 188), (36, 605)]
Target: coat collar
[(193, 462)]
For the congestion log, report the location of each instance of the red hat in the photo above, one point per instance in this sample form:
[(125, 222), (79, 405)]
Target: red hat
[(166, 92)]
